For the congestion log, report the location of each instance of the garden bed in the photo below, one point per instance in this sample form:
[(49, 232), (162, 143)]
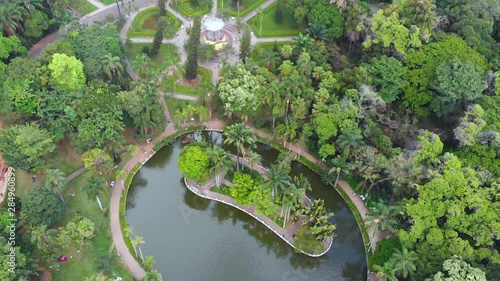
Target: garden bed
[(187, 10), (144, 24)]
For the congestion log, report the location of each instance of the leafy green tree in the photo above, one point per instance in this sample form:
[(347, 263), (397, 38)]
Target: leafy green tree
[(455, 81), (92, 43), (240, 136), (243, 185), (240, 95), (430, 148), (388, 31), (26, 147), (98, 161), (66, 72), (456, 269), (192, 50), (25, 266), (36, 24), (384, 250), (11, 17), (21, 97), (77, 235), (10, 46), (42, 207), (322, 13), (245, 45), (422, 64), (62, 46), (194, 163), (387, 74), (99, 118), (349, 143)]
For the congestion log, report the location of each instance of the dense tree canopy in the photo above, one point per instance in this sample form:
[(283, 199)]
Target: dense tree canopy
[(42, 207), (194, 162)]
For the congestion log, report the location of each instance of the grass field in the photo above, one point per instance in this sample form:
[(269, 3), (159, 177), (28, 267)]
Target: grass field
[(82, 6), (270, 28), (166, 52), (144, 24), (187, 10), (206, 77), (107, 2), (246, 6), (82, 206)]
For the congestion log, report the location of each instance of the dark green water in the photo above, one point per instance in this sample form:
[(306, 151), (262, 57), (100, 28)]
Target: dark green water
[(194, 239)]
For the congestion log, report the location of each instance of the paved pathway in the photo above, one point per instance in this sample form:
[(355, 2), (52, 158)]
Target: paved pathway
[(254, 12), (98, 4), (40, 45)]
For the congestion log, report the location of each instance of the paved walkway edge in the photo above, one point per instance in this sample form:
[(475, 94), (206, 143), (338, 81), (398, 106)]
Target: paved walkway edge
[(257, 217)]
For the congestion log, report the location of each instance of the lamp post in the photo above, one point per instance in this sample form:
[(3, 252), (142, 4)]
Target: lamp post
[(209, 108)]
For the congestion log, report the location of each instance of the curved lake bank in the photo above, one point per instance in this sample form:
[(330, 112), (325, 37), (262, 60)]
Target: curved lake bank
[(196, 239)]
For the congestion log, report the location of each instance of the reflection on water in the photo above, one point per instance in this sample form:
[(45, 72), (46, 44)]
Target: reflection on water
[(195, 239)]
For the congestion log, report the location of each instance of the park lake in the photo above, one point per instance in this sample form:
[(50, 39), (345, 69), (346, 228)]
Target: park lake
[(195, 239)]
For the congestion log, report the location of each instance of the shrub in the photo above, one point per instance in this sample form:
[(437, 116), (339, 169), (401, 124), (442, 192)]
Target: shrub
[(103, 263), (385, 249)]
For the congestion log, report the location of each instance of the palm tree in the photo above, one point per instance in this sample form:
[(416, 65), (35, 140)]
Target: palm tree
[(277, 178), (318, 31), (175, 70), (380, 217), (273, 98), (10, 16), (138, 240), (340, 165), (94, 188), (253, 159), (142, 65), (221, 162), (287, 131), (271, 60), (349, 142), (404, 262), (386, 272), (242, 137), (31, 6), (286, 51), (40, 236), (112, 66), (56, 181), (304, 64)]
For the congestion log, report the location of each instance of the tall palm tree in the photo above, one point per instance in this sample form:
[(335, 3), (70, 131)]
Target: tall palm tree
[(318, 31), (340, 165), (112, 66), (221, 162), (404, 262), (40, 236), (138, 240), (31, 6), (273, 98), (175, 70), (286, 51), (380, 217), (94, 188), (10, 17), (277, 178), (287, 131), (142, 65), (349, 142), (56, 182), (254, 159), (242, 137), (304, 64), (271, 60)]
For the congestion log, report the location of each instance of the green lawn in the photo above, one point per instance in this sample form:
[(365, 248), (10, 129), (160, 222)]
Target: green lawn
[(187, 10), (206, 77), (144, 24), (81, 205), (266, 46), (166, 51), (107, 2), (246, 6), (82, 6), (174, 104), (289, 26)]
